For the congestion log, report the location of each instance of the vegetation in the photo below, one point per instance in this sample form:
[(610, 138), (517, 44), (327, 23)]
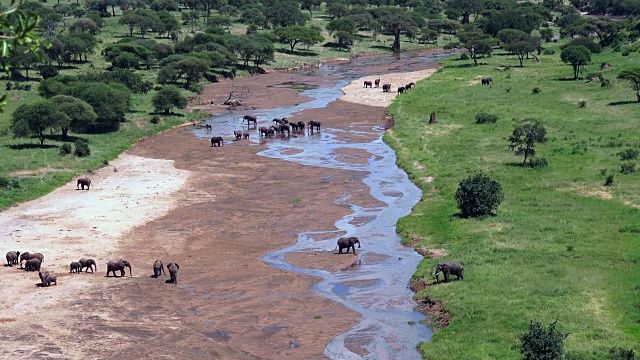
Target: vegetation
[(543, 343), (518, 263), (524, 138), (479, 195)]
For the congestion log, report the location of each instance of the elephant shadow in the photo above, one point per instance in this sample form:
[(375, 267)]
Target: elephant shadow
[(168, 281)]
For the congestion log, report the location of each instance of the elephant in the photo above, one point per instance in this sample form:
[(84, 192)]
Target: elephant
[(83, 182), (245, 134), (377, 82), (401, 89), (119, 265), (449, 268), (173, 272), (158, 268), (264, 131), (28, 256), (250, 119), (294, 126), (271, 131), (285, 127), (217, 141), (386, 88), (43, 277), (348, 243), (75, 267), (32, 264), (238, 134), (313, 124), (409, 86), (368, 84), (51, 278), (207, 126), (300, 125), (12, 257), (90, 264), (487, 81)]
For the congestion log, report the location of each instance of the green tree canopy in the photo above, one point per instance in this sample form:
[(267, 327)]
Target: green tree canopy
[(395, 21), (167, 98), (35, 118), (523, 139), (344, 30), (576, 55), (474, 40), (298, 34), (518, 43), (633, 76), (466, 8), (80, 115), (282, 13)]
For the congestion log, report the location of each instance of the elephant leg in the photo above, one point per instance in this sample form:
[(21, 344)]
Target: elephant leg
[(446, 276)]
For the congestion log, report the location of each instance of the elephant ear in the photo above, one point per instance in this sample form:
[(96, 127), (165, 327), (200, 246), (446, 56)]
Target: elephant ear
[(177, 266), (169, 265)]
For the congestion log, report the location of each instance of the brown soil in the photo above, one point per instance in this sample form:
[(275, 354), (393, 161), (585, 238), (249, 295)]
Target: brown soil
[(215, 211)]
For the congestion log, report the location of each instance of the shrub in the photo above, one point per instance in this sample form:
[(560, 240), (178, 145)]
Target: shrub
[(65, 149), (7, 183), (608, 181), (617, 353), (635, 229), (629, 154), (82, 148), (542, 343), (628, 168), (464, 56), (485, 118), (537, 163), (155, 119), (625, 53), (48, 71), (582, 103), (536, 90), (196, 88), (605, 82), (548, 52), (479, 195)]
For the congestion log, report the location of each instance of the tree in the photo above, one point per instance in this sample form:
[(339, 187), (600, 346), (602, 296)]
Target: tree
[(296, 34), (519, 43), (80, 115), (343, 30), (337, 10), (477, 42), (284, 13), (109, 101), (479, 195), (542, 343), (167, 98), (547, 34), (309, 5), (466, 8), (523, 139), (192, 69), (84, 24), (35, 118), (395, 21), (633, 76), (577, 56)]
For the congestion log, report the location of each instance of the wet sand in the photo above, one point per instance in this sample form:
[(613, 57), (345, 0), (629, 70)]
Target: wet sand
[(225, 209)]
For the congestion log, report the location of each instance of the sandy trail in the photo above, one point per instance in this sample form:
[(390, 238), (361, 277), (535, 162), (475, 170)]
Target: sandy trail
[(356, 93)]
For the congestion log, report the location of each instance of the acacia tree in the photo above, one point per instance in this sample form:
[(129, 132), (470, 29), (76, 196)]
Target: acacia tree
[(168, 98), (466, 8), (633, 76), (395, 21), (344, 30), (80, 115), (524, 138), (519, 43), (298, 34), (35, 118), (474, 40), (576, 55)]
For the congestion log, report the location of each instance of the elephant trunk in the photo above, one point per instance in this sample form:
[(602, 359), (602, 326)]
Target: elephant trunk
[(130, 274)]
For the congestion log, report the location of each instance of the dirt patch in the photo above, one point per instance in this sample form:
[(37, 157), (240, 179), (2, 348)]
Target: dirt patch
[(37, 171), (431, 253), (323, 260), (356, 93), (437, 317)]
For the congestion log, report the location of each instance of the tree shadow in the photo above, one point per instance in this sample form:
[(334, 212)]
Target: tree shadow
[(336, 46), (172, 114), (462, 66), (70, 138), (304, 53), (569, 79), (617, 103), (382, 47), (30, 146)]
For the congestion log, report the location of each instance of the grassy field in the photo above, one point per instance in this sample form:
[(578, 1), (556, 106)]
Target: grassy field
[(562, 245)]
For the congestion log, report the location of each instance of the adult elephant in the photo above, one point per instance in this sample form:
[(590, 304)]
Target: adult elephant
[(401, 89), (217, 141), (300, 125), (386, 87), (313, 124), (377, 82), (158, 269), (83, 182), (368, 84), (25, 256), (120, 265), (237, 134), (32, 265), (285, 127), (12, 258), (487, 81), (348, 243), (75, 267), (43, 277), (264, 131), (250, 119), (449, 268), (89, 264), (173, 272)]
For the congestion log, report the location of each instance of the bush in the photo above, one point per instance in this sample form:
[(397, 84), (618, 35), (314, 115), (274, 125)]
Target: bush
[(196, 88), (625, 53), (586, 42), (629, 154), (48, 71), (628, 168), (82, 148), (155, 119), (485, 118), (536, 90), (542, 343), (479, 195), (7, 183), (464, 56), (537, 163), (582, 103), (605, 82), (616, 353), (65, 149), (608, 181), (548, 52)]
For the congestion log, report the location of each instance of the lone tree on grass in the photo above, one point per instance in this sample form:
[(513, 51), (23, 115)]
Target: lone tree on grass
[(80, 115), (35, 118), (542, 343), (298, 34), (524, 137), (474, 40), (479, 195), (167, 98), (633, 76), (576, 55)]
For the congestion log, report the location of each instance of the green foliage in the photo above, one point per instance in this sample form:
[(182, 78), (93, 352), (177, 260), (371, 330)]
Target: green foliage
[(80, 115), (196, 88), (395, 21), (8, 183), (586, 42), (35, 118), (582, 103), (629, 154), (524, 137), (608, 181), (48, 71), (633, 76), (65, 149), (283, 13), (576, 55), (155, 119), (477, 42), (298, 34), (628, 168), (167, 98), (542, 343), (486, 118), (479, 195), (82, 148), (536, 90), (618, 353)]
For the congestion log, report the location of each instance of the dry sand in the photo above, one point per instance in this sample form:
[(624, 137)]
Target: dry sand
[(356, 93)]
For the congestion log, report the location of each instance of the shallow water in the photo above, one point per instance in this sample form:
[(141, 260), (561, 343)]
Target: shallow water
[(389, 328)]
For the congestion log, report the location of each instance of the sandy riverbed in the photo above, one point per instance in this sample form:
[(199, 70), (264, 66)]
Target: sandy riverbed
[(356, 93)]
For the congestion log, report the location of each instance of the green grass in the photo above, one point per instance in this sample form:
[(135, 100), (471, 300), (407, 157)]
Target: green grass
[(562, 246)]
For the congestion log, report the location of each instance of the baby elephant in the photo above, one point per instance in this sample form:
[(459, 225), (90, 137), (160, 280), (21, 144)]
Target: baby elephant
[(83, 182), (348, 243), (449, 268), (217, 141), (173, 272), (51, 278), (32, 264), (158, 268), (75, 267)]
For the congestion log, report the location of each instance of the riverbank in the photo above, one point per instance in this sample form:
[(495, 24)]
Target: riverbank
[(562, 246)]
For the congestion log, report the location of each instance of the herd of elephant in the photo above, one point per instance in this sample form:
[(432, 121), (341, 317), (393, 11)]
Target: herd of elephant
[(33, 262), (387, 87), (280, 127)]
